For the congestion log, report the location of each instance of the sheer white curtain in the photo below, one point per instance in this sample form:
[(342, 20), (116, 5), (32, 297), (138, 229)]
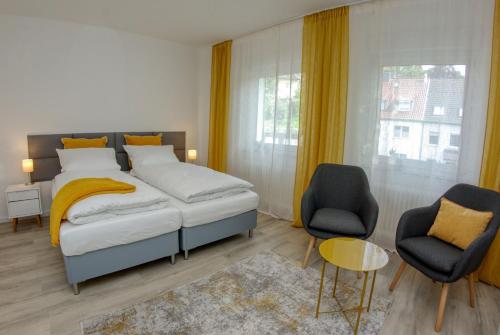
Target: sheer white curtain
[(418, 90), (264, 114)]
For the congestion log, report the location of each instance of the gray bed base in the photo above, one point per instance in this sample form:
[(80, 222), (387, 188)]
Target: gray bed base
[(192, 237), (100, 262)]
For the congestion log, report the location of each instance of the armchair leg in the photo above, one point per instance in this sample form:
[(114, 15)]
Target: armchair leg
[(442, 307), (310, 247), (472, 290), (398, 274)]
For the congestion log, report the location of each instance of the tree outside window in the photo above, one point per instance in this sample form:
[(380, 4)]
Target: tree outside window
[(278, 112)]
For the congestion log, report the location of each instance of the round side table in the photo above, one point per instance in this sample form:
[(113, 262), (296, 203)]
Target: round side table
[(355, 255)]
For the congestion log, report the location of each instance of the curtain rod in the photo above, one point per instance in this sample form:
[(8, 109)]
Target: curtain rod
[(351, 3)]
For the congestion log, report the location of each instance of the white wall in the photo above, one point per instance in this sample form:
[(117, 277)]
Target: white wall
[(64, 77), (204, 77)]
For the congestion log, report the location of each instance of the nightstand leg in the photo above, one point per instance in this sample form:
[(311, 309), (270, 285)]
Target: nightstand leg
[(14, 225), (39, 220)]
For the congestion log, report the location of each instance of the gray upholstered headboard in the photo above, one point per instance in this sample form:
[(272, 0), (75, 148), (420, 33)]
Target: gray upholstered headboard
[(42, 149)]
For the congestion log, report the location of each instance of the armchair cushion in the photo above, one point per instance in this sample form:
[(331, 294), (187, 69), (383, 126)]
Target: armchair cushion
[(337, 221), (436, 254)]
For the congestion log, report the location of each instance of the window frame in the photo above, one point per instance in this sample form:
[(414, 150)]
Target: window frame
[(399, 131), (432, 133), (290, 147), (409, 103), (390, 60), (458, 139), (441, 110)]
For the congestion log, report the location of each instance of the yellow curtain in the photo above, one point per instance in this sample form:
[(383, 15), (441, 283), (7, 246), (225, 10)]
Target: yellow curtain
[(219, 106), (490, 170), (323, 98)]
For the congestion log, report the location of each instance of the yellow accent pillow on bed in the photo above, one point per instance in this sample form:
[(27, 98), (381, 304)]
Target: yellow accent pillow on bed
[(78, 143), (143, 140), (458, 225)]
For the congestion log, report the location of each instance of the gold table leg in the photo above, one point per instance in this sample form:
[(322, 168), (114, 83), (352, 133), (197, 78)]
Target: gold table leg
[(371, 290), (360, 307), (336, 279), (320, 288)]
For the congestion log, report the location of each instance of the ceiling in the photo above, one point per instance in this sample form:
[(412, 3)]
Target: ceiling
[(194, 22)]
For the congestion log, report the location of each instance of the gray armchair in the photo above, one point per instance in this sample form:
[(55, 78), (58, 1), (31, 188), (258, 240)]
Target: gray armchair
[(437, 259), (337, 203)]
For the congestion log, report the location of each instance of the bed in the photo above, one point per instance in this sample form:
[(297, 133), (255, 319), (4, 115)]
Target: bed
[(212, 220), (113, 243), (214, 205), (88, 252)]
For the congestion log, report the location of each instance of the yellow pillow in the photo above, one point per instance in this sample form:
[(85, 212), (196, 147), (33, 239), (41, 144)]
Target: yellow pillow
[(458, 225), (76, 143), (143, 140)]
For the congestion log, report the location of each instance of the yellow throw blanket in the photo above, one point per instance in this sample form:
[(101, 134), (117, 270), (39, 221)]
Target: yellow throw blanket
[(78, 190)]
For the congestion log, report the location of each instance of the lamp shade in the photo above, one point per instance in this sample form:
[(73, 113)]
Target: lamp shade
[(27, 165), (192, 154)]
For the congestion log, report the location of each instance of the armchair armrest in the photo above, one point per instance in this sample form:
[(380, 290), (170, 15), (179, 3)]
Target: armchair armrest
[(416, 222), (474, 254), (368, 212), (307, 206)]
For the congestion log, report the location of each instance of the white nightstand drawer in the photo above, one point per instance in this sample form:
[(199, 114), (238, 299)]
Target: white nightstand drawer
[(24, 208), (22, 195)]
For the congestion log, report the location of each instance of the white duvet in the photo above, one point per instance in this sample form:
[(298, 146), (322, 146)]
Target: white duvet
[(190, 183), (106, 206)]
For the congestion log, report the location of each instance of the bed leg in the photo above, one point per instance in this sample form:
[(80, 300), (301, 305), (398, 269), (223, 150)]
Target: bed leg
[(250, 233), (172, 259), (186, 254), (76, 289)]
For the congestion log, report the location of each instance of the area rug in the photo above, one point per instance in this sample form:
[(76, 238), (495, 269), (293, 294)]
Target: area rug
[(264, 294)]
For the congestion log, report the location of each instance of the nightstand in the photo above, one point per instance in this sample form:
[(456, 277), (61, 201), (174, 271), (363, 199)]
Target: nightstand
[(24, 200)]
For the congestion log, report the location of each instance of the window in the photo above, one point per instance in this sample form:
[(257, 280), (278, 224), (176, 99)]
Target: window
[(438, 110), (450, 156), (278, 110), (455, 140), (405, 105), (401, 131), (434, 137), (415, 116)]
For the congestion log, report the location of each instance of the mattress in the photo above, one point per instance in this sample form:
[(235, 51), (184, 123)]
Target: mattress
[(78, 239), (199, 213)]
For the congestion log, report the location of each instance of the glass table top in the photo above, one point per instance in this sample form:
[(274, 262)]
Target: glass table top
[(353, 254)]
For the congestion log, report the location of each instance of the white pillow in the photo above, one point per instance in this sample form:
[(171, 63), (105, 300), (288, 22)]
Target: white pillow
[(144, 155), (87, 159)]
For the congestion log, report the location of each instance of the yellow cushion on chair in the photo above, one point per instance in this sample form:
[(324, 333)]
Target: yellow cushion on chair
[(458, 225), (143, 140), (78, 143)]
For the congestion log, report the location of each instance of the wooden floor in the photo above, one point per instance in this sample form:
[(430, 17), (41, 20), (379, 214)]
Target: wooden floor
[(35, 298)]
